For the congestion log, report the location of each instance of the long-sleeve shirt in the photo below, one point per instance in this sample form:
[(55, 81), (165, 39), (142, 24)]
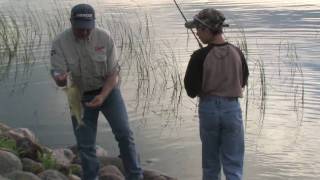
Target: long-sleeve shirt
[(219, 70)]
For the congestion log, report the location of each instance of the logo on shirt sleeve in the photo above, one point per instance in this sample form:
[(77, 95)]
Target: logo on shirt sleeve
[(99, 48), (53, 52)]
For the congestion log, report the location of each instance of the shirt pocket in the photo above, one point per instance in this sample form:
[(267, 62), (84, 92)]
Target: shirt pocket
[(99, 63)]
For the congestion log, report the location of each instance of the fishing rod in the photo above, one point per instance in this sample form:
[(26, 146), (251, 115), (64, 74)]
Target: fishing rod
[(184, 17)]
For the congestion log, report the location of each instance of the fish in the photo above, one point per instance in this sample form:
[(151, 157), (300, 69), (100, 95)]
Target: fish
[(73, 94)]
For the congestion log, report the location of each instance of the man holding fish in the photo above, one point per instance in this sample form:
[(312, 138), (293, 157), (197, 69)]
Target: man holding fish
[(83, 60)]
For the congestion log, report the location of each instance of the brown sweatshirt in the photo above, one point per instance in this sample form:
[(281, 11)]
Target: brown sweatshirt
[(222, 72)]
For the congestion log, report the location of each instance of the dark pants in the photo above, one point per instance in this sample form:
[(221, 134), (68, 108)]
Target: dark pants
[(115, 112)]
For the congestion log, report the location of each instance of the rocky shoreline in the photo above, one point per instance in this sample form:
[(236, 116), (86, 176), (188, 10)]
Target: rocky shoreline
[(22, 157)]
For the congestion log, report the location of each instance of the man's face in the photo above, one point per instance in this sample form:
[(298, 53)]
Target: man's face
[(81, 33)]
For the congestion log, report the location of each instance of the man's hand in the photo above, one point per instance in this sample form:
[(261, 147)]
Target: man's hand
[(60, 78), (96, 101)]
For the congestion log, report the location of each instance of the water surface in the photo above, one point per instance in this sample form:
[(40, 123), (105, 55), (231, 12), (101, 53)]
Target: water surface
[(282, 127)]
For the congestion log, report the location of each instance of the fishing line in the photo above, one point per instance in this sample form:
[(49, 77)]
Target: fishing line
[(184, 17)]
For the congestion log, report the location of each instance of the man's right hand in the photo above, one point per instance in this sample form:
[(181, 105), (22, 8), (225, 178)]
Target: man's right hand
[(60, 79)]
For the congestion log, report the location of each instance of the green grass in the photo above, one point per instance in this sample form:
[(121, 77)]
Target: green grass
[(8, 144), (47, 160)]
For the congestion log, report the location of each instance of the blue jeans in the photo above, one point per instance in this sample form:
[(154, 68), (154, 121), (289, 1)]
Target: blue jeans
[(115, 112), (222, 136)]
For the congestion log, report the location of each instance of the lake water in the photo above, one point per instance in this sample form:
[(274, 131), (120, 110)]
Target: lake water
[(282, 110)]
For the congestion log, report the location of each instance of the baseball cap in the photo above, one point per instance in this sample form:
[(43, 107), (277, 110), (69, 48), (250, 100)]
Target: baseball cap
[(209, 17), (83, 16)]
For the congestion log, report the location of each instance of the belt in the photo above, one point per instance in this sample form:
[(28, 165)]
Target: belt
[(93, 92), (220, 97), (231, 98)]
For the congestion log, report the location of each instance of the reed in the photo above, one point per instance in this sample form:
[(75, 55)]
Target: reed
[(155, 64)]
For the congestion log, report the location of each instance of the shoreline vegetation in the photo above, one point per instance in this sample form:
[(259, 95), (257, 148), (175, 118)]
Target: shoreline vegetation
[(23, 157)]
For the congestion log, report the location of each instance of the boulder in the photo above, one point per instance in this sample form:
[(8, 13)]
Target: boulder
[(63, 157), (52, 175), (74, 177), (9, 162), (32, 166), (22, 133), (20, 175), (155, 175), (111, 177), (110, 172), (101, 152), (105, 161)]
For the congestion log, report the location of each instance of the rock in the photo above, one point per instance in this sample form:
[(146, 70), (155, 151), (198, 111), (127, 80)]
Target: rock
[(105, 161), (9, 162), (63, 157), (155, 175), (74, 177), (101, 152), (110, 170), (20, 175), (52, 175), (4, 128), (22, 133), (111, 177), (32, 166), (152, 175), (74, 149)]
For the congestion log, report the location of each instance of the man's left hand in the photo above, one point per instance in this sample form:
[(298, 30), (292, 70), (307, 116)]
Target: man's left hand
[(96, 101)]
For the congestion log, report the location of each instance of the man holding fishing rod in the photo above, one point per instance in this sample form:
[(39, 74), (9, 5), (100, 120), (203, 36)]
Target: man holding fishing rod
[(88, 54), (217, 74)]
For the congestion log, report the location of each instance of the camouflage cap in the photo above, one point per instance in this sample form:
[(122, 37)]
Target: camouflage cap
[(209, 17)]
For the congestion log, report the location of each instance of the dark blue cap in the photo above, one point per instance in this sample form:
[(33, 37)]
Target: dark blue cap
[(83, 16)]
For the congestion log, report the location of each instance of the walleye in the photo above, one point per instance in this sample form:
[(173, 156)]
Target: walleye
[(74, 99)]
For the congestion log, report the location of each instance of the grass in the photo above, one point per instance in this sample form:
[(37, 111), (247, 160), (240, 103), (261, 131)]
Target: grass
[(47, 160), (8, 144)]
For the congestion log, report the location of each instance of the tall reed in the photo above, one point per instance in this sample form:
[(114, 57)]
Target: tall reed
[(155, 64)]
